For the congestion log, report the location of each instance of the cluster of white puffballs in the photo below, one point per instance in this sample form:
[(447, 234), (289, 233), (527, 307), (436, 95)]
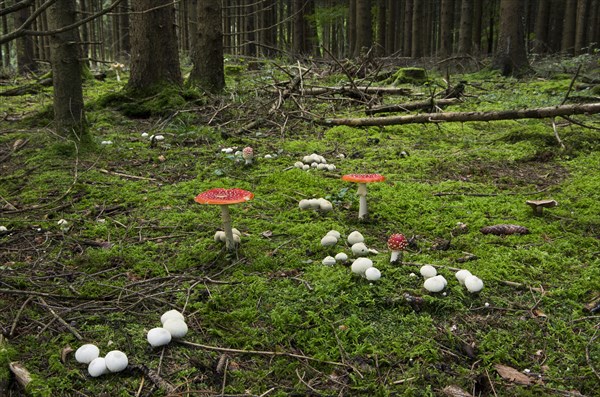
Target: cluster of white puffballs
[(361, 266), (114, 361), (173, 327), (436, 282), (314, 161), (320, 204), (221, 237), (153, 137)]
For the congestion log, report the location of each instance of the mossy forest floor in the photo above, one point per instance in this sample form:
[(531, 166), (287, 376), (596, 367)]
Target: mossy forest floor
[(271, 320)]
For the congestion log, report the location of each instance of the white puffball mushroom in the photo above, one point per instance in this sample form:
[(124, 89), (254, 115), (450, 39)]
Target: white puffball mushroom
[(220, 236), (360, 266), (116, 361), (159, 337), (97, 367), (341, 257), (330, 167), (329, 241), (443, 279), (372, 274), (355, 237), (325, 205), (359, 249), (3, 228), (321, 166), (315, 204), (473, 283), (434, 284), (461, 275), (306, 167), (268, 156), (298, 164), (159, 137), (87, 353), (314, 164), (334, 233), (145, 135), (236, 232), (428, 271), (328, 261), (177, 327), (171, 314), (304, 204)]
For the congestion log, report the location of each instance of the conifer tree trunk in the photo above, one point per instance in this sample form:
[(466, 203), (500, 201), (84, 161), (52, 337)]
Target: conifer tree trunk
[(541, 27), (208, 71), (25, 55), (580, 27), (65, 57), (155, 56), (511, 56), (568, 33), (446, 27), (364, 27), (466, 27)]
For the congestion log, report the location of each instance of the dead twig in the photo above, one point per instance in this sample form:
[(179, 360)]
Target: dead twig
[(60, 319)]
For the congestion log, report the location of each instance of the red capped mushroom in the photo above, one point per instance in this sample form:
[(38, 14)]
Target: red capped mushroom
[(397, 243), (223, 198), (362, 180)]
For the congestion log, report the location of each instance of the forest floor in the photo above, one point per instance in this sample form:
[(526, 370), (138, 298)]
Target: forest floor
[(270, 319)]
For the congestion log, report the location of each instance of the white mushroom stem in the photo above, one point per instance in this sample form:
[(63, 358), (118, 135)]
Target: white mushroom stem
[(395, 255), (362, 203), (229, 241)]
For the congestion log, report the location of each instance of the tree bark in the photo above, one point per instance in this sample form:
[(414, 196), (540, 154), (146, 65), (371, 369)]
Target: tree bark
[(540, 45), (568, 33), (581, 27), (208, 71), (538, 113), (25, 55), (446, 27), (466, 28), (364, 27), (511, 56), (65, 55), (155, 55)]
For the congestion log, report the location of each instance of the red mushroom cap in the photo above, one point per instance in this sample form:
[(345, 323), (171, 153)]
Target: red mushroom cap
[(397, 242), (221, 196), (363, 178)]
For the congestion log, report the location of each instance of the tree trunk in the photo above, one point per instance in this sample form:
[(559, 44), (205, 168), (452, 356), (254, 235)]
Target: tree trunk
[(408, 19), (511, 56), (466, 28), (298, 38), (25, 54), (364, 27), (155, 56), (477, 19), (381, 49), (124, 39), (568, 34), (351, 27), (581, 27), (446, 27), (69, 117), (416, 48), (540, 45), (208, 71)]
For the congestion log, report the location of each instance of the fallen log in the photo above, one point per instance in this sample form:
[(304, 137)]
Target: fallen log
[(345, 90), (537, 113), (406, 107)]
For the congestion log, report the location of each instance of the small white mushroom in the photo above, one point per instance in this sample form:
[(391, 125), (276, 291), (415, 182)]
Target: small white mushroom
[(325, 205), (461, 275), (116, 361), (268, 156), (236, 232), (171, 314), (321, 166), (314, 164), (298, 164), (360, 265), (315, 204), (158, 337), (355, 237), (306, 167), (220, 237), (304, 204), (328, 261), (359, 249), (434, 284), (372, 274), (176, 327), (473, 283), (329, 241), (86, 353), (341, 257), (330, 167), (97, 367), (335, 233), (428, 271)]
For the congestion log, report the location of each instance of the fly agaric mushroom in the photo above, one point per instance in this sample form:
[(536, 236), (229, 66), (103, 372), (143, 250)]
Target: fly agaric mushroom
[(248, 155), (397, 243), (539, 205), (362, 180), (224, 197)]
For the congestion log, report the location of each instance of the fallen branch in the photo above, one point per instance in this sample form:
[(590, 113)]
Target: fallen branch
[(346, 90), (405, 107), (537, 113)]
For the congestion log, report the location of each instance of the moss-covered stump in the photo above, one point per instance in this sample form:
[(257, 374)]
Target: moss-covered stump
[(408, 76)]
